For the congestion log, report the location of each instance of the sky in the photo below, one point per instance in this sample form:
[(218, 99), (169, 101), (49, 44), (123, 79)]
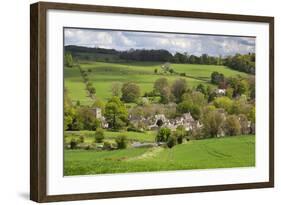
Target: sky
[(193, 44)]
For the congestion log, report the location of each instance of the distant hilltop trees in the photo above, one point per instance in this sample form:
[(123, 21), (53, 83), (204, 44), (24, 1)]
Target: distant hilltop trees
[(241, 62)]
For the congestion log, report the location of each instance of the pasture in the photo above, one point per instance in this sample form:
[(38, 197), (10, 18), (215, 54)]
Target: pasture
[(102, 75), (227, 152)]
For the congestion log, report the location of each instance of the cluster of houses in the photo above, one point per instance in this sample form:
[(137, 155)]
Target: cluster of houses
[(154, 122), (160, 120)]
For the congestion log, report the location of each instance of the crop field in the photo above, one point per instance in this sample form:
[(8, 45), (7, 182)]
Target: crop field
[(228, 152), (102, 75)]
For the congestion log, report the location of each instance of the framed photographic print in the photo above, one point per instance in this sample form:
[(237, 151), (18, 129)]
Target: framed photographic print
[(135, 102)]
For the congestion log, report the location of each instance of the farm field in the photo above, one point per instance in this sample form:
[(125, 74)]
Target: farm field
[(228, 152), (102, 75)]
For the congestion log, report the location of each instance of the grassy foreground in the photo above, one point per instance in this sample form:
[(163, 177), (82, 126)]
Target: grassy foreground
[(228, 152)]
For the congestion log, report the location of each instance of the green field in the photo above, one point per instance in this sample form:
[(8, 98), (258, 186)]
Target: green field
[(228, 152), (103, 74), (148, 136)]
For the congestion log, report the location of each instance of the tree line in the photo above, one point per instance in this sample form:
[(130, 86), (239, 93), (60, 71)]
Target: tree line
[(241, 62)]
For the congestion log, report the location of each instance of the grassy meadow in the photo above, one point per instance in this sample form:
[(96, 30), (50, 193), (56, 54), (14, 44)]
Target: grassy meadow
[(103, 74), (224, 152), (227, 152)]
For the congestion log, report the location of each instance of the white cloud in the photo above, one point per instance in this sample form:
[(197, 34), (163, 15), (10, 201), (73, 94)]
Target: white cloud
[(190, 43)]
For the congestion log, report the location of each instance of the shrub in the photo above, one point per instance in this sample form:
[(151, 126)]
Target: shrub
[(131, 128), (163, 135), (99, 135), (107, 146), (180, 134), (73, 143), (121, 141), (171, 141), (81, 139)]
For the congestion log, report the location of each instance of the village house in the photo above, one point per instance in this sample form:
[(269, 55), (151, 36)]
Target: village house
[(220, 91), (98, 115)]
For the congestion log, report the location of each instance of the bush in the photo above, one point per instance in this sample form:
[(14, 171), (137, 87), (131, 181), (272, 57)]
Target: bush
[(134, 129), (99, 135), (81, 139), (108, 146), (73, 143), (180, 134), (150, 94), (163, 135), (171, 141), (121, 142)]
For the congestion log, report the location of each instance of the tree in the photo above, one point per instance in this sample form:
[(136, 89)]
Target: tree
[(162, 88), (116, 89), (240, 86), (252, 114), (98, 103), (155, 71), (171, 141), (166, 96), (252, 87), (232, 125), (73, 144), (187, 106), (121, 141), (180, 134), (130, 92), (160, 84), (68, 60), (229, 92), (88, 119), (244, 63), (116, 113), (217, 77), (192, 102), (194, 97), (163, 135), (212, 123), (99, 135), (243, 124), (201, 88), (91, 90), (72, 119), (179, 87), (241, 106), (224, 102)]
